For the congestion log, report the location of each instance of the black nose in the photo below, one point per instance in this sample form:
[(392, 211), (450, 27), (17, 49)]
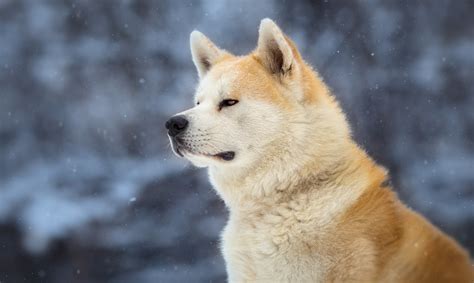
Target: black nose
[(176, 125)]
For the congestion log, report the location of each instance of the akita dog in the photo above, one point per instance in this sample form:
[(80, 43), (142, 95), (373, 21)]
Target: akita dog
[(306, 203)]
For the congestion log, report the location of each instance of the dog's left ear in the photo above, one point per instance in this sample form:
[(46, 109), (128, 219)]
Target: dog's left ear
[(276, 51), (204, 52)]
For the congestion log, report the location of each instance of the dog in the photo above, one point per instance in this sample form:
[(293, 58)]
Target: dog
[(306, 203)]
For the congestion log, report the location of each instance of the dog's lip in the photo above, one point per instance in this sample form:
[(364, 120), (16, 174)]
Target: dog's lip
[(175, 144), (180, 149), (226, 155)]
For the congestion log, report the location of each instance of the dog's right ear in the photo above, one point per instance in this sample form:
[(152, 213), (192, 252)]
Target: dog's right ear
[(204, 52)]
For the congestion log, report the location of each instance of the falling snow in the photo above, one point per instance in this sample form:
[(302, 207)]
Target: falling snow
[(86, 88)]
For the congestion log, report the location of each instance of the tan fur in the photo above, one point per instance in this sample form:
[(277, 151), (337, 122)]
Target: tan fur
[(307, 205)]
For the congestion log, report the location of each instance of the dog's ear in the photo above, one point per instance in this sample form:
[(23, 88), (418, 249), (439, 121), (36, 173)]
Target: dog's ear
[(204, 52), (275, 51)]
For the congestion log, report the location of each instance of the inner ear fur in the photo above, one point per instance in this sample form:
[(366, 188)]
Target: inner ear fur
[(204, 52), (276, 52)]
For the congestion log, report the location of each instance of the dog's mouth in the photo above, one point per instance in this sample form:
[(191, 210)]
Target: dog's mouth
[(181, 149), (176, 148), (226, 155)]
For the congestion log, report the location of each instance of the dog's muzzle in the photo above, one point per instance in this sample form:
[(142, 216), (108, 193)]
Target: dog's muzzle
[(176, 127)]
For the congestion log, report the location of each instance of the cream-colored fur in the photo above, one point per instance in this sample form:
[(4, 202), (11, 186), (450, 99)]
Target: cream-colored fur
[(306, 203)]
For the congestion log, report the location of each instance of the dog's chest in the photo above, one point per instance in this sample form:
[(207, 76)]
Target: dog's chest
[(277, 246), (285, 241)]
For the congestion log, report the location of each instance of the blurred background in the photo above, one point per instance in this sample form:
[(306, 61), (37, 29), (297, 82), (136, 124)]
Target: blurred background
[(89, 188)]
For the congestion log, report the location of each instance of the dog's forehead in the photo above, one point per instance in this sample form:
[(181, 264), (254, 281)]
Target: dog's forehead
[(220, 81), (235, 78)]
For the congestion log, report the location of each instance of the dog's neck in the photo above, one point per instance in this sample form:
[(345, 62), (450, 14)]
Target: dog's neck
[(244, 188)]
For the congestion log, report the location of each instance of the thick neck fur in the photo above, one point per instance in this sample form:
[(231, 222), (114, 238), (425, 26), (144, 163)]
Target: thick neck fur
[(254, 188)]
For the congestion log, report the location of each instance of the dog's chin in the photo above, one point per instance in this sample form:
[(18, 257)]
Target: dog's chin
[(198, 160), (206, 160)]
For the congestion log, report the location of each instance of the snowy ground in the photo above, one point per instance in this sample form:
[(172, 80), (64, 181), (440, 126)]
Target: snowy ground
[(89, 189)]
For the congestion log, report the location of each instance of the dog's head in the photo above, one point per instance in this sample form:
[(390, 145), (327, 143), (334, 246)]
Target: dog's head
[(249, 108)]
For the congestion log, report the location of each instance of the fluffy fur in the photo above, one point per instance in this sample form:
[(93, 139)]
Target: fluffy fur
[(306, 203)]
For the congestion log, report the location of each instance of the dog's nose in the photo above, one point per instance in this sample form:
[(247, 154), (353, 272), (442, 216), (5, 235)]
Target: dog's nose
[(176, 125)]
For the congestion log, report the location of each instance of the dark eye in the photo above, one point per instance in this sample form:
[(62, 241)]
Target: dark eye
[(197, 103), (227, 103)]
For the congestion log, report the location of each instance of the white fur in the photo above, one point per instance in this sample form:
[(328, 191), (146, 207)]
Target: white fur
[(306, 203), (276, 151), (203, 50)]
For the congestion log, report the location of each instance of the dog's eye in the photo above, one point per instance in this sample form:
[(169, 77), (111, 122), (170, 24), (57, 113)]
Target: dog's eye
[(227, 103)]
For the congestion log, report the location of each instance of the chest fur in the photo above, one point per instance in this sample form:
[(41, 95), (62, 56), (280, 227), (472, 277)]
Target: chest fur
[(276, 245)]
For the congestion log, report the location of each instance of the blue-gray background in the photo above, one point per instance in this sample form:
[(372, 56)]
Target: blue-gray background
[(89, 189)]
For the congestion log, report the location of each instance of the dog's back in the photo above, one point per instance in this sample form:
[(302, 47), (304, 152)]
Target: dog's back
[(408, 248)]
